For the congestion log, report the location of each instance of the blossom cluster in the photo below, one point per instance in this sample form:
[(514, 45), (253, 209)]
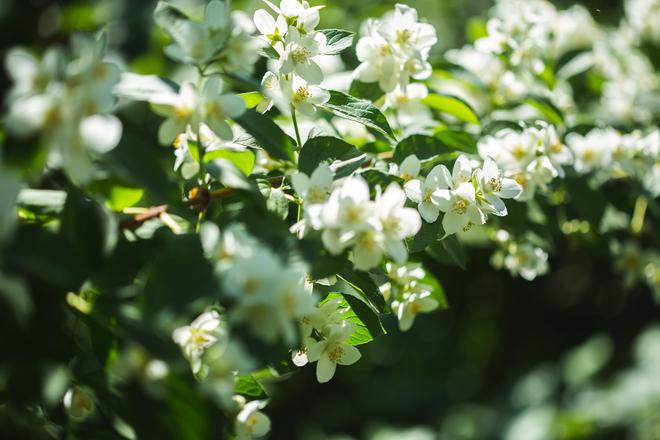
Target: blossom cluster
[(67, 99), (410, 295), (532, 157), (326, 334), (392, 51), (520, 257), (349, 218), (466, 195), (611, 154), (296, 47)]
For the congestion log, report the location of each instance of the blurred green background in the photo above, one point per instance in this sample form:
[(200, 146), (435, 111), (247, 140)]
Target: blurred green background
[(457, 374)]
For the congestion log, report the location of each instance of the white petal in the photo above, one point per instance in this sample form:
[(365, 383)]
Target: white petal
[(101, 133), (428, 211), (453, 222), (325, 369), (310, 72), (413, 190), (264, 22), (349, 355)]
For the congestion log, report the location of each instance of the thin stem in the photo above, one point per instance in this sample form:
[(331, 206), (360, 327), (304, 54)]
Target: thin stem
[(295, 126)]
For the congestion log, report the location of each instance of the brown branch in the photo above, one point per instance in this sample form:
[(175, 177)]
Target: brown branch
[(197, 198), (201, 198)]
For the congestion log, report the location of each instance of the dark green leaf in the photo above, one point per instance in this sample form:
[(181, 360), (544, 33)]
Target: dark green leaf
[(365, 286), (422, 146), (358, 110), (362, 90), (267, 134), (429, 233), (337, 40), (343, 157)]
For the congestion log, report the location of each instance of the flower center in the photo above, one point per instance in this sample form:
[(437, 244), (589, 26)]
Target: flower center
[(336, 353), (495, 184), (302, 94), (460, 207), (403, 37), (315, 195), (300, 55)]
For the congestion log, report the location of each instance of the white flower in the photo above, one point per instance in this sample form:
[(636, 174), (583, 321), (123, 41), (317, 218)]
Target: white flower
[(79, 403), (644, 15), (298, 14), (394, 49), (397, 222), (460, 208), (178, 109), (406, 101), (196, 42), (316, 188), (378, 60), (593, 151), (299, 53), (215, 108), (526, 260), (409, 168), (273, 30), (302, 95), (407, 309), (495, 187), (250, 422), (29, 74), (333, 351), (346, 214), (195, 338), (323, 317), (425, 192)]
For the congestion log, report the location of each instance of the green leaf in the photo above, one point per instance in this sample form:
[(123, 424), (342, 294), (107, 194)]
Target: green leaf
[(269, 52), (368, 325), (365, 286), (244, 160), (337, 40), (358, 110), (458, 140), (449, 250), (378, 178), (268, 135), (231, 176), (119, 197), (89, 229), (453, 106), (252, 99), (180, 274), (422, 146), (247, 385), (429, 233), (362, 90), (546, 107), (343, 157)]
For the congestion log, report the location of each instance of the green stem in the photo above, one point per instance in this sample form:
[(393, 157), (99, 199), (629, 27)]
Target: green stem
[(295, 126)]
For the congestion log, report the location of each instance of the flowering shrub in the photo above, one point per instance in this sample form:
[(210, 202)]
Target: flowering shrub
[(283, 216)]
